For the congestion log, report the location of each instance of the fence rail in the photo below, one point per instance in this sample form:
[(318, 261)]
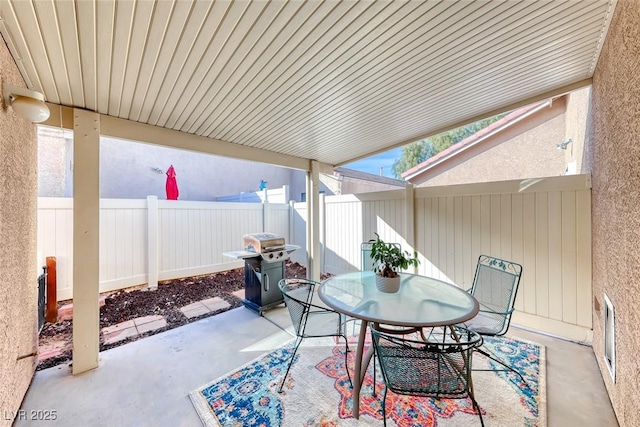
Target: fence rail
[(544, 224)]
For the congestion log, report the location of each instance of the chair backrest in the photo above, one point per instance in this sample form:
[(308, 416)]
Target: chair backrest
[(495, 286), (297, 294), (368, 263), (440, 368)]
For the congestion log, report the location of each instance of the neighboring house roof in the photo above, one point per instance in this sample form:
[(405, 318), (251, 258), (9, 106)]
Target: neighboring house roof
[(477, 138), (364, 176)]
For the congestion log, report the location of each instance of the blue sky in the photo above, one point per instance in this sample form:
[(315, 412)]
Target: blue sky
[(374, 163)]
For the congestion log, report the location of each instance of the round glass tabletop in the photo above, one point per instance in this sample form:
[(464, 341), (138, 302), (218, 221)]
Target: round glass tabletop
[(420, 301)]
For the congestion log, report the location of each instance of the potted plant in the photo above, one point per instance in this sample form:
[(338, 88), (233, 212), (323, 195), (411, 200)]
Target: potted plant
[(390, 260)]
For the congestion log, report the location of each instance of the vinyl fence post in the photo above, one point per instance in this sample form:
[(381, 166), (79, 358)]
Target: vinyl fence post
[(291, 238), (265, 217), (410, 220), (152, 242)]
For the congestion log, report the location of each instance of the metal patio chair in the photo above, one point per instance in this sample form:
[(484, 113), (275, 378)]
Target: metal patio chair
[(438, 369), (309, 320), (494, 286)]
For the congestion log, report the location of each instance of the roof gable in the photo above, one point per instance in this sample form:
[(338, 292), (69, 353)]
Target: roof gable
[(475, 139)]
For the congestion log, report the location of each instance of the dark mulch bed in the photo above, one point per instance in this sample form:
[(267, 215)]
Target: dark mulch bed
[(165, 301)]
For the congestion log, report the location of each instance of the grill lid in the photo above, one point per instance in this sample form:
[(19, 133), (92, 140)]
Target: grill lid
[(263, 242)]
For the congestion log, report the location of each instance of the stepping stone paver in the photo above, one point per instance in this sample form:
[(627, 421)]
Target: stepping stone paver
[(52, 349), (132, 328), (238, 294), (149, 323), (214, 304), (66, 311), (205, 306), (119, 332), (119, 327), (194, 309)]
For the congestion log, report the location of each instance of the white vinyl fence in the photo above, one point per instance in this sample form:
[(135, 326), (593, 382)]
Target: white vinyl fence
[(543, 224), (143, 241)]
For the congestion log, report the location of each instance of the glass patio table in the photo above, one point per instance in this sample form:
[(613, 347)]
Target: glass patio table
[(420, 302)]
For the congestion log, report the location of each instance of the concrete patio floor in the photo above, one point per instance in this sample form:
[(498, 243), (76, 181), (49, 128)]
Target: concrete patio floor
[(146, 383)]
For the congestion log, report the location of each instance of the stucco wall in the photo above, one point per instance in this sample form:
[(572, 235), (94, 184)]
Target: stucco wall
[(525, 150), (126, 171), (575, 128), (613, 137), (132, 170), (55, 176), (355, 186), (18, 272)]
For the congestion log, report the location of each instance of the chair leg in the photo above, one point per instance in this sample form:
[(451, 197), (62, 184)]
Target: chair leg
[(473, 399), (346, 365), (298, 342), (384, 407), (492, 357), (477, 408), (374, 373)]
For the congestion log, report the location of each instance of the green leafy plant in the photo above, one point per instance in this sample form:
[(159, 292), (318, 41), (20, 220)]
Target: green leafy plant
[(390, 258)]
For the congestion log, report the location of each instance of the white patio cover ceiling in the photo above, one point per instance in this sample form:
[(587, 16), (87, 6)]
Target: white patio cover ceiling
[(330, 81)]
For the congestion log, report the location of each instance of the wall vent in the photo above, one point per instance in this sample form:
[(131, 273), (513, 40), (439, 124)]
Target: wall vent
[(609, 337)]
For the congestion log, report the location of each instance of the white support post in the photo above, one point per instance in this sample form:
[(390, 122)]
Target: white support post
[(313, 224), (322, 235), (287, 195), (86, 247), (410, 218), (152, 242)]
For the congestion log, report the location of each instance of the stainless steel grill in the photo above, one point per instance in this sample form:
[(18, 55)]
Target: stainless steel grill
[(264, 255), (271, 247)]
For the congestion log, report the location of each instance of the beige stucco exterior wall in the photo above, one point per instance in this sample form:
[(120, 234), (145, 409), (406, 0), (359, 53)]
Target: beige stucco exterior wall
[(18, 271), (356, 186), (575, 128), (613, 142), (525, 150), (338, 184), (136, 170), (54, 160)]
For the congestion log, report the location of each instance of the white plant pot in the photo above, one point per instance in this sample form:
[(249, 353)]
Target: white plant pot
[(387, 284)]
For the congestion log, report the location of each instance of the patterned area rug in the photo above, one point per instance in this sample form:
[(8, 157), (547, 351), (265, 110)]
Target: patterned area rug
[(317, 392)]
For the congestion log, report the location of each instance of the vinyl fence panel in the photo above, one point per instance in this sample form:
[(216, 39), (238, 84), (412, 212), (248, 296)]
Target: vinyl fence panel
[(184, 238), (55, 238), (542, 224)]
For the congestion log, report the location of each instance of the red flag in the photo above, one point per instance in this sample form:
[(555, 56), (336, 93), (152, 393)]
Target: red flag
[(172, 184)]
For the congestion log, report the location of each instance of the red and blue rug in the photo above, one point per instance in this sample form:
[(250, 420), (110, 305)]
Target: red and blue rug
[(317, 392)]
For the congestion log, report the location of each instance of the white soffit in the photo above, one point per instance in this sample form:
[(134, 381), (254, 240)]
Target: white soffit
[(330, 81)]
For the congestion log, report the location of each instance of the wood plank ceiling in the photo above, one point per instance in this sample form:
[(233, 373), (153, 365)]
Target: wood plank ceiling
[(331, 81)]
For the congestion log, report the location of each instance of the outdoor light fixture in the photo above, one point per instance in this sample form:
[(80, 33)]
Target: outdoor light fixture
[(26, 103), (563, 145)]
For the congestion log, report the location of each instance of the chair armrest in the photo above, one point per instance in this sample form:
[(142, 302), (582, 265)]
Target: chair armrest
[(489, 310), (316, 308)]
